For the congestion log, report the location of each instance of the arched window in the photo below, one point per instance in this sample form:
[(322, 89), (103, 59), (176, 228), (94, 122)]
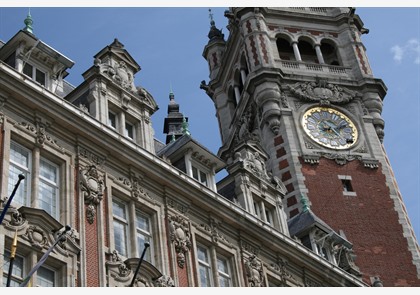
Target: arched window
[(307, 52), (285, 49), (329, 52)]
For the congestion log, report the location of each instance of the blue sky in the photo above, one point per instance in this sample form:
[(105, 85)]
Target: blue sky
[(168, 43)]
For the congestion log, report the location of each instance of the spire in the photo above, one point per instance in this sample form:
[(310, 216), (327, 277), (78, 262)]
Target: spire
[(28, 23), (305, 203), (185, 127), (214, 33)]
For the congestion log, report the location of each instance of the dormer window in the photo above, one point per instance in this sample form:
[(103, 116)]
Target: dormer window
[(34, 73), (199, 175)]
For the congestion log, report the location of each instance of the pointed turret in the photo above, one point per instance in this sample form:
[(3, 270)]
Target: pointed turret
[(215, 48), (175, 124)]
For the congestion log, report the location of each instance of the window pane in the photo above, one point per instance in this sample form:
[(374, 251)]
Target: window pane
[(129, 130), (202, 254), (17, 265), (48, 171), (143, 235), (203, 178), (223, 271), (142, 222), (28, 70), (120, 238), (205, 276), (19, 164), (195, 172), (48, 187), (112, 121), (45, 277), (118, 209), (40, 77), (47, 198), (141, 239), (120, 227)]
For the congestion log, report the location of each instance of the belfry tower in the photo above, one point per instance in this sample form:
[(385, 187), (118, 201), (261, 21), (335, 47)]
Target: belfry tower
[(297, 81)]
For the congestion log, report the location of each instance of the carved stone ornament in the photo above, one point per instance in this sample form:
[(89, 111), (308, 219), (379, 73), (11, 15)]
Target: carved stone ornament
[(36, 237), (40, 132), (91, 184), (345, 259), (254, 272), (120, 75), (213, 229), (340, 159), (180, 236), (281, 269), (323, 92), (137, 190), (164, 281)]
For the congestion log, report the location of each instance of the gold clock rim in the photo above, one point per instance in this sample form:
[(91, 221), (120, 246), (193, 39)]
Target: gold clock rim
[(352, 125)]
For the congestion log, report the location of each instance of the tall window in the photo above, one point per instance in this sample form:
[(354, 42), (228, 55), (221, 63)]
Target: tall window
[(209, 278), (20, 163), (46, 178), (120, 227), (48, 187), (143, 232), (204, 267)]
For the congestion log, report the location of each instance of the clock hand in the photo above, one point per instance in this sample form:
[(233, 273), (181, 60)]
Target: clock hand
[(333, 128)]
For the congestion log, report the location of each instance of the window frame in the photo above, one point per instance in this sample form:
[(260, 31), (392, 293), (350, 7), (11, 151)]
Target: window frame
[(125, 225), (215, 275), (33, 181), (34, 74), (27, 183), (56, 185), (132, 210)]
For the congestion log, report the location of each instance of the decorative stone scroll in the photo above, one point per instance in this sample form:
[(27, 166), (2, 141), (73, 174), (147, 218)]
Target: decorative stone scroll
[(181, 237), (92, 189)]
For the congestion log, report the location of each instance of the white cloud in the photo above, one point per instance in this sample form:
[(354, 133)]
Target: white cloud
[(410, 50)]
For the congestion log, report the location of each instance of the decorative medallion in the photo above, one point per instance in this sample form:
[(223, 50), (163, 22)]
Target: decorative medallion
[(36, 237)]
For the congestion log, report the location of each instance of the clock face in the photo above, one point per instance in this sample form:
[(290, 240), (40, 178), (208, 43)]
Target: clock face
[(329, 128)]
